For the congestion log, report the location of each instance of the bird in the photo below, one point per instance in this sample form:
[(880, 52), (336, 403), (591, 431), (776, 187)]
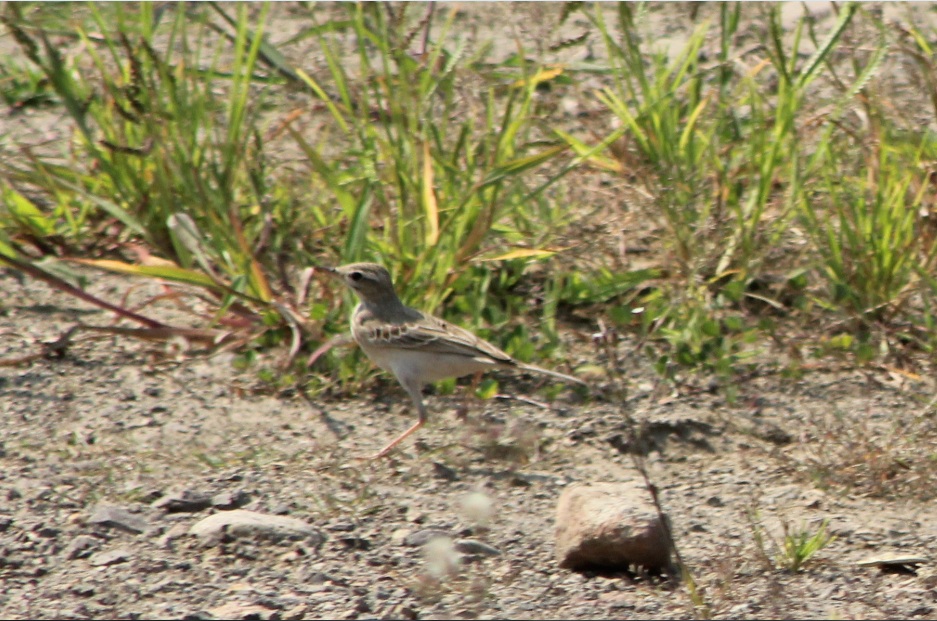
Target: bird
[(416, 347)]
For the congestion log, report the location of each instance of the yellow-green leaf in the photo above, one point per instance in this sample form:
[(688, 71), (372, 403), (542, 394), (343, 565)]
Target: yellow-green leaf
[(588, 153), (522, 253), (176, 274), (542, 75), (26, 213), (430, 207)]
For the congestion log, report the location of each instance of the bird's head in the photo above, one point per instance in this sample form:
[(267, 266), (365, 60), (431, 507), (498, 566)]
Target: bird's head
[(370, 281)]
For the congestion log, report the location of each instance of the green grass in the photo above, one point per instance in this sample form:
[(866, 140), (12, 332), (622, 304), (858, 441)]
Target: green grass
[(205, 154), (795, 548)]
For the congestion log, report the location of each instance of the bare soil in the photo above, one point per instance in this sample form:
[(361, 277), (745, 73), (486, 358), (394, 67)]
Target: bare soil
[(121, 423)]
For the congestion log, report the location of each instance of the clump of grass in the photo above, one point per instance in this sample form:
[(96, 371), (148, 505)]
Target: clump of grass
[(743, 159), (23, 87), (723, 183), (797, 547), (802, 543), (164, 162), (158, 143), (172, 159), (424, 152), (429, 179)]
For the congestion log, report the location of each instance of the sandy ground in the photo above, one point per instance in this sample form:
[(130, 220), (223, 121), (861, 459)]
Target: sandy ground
[(113, 422)]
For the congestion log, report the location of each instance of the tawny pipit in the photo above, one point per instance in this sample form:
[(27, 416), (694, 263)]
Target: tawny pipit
[(417, 348)]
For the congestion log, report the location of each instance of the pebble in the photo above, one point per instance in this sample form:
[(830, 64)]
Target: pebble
[(230, 500), (476, 547), (241, 523), (113, 516), (109, 557), (422, 537), (81, 546), (399, 536), (444, 472), (183, 501), (237, 610)]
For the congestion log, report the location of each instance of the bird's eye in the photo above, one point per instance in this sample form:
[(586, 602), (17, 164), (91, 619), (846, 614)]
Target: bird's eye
[(356, 276)]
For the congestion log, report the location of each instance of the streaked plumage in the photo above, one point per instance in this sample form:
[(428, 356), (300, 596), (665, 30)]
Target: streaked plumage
[(417, 348)]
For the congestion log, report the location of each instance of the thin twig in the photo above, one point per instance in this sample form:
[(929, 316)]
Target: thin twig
[(606, 339)]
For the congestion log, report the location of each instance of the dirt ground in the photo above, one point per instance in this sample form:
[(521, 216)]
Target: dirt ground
[(116, 423)]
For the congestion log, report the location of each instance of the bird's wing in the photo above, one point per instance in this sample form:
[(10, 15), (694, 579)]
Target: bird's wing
[(432, 334)]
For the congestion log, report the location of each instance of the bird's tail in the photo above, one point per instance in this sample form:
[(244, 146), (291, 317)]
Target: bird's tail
[(560, 376)]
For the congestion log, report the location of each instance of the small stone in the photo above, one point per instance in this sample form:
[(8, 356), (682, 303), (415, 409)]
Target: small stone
[(280, 508), (183, 501), (83, 589), (422, 537), (476, 547), (230, 500), (355, 543), (342, 527), (241, 523), (894, 563), (399, 536), (81, 547), (109, 557), (237, 610), (609, 526), (297, 612), (444, 472), (113, 516)]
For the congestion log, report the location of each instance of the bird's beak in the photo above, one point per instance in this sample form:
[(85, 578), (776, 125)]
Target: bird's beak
[(330, 271)]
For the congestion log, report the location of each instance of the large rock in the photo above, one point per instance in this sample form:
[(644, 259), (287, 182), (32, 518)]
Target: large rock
[(609, 526)]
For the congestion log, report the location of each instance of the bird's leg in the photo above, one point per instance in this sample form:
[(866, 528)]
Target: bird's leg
[(462, 411), (415, 394)]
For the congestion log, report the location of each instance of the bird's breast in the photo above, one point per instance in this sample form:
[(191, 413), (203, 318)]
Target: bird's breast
[(424, 367)]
